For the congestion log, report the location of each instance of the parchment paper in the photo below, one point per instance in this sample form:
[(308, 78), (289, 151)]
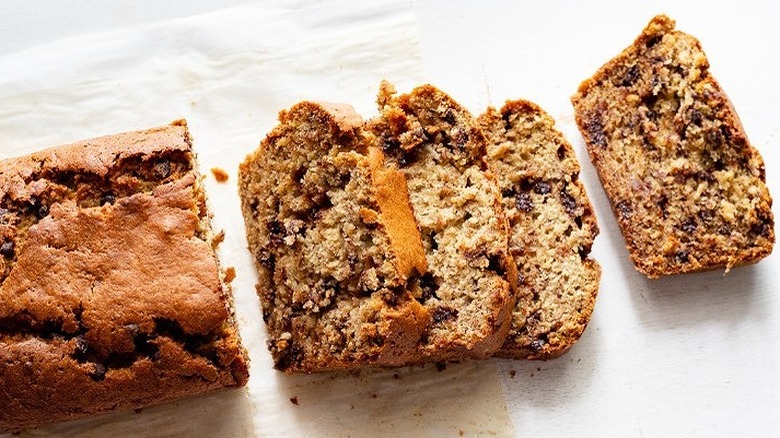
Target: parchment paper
[(229, 73)]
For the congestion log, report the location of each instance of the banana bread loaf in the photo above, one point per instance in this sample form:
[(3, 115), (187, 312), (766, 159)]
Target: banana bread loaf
[(111, 297), (687, 188), (469, 287), (335, 244), (552, 230)]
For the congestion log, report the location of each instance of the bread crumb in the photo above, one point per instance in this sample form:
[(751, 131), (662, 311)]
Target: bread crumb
[(294, 400), (219, 174), (374, 396), (217, 239), (441, 366), (230, 274), (138, 410), (396, 376), (460, 432), (512, 373)]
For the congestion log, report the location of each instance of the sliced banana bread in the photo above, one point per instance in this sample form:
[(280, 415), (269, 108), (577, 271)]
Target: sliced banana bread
[(110, 291), (334, 240), (552, 229), (686, 186), (469, 287)]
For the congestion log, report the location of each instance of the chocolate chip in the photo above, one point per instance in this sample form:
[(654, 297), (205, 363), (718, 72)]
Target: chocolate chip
[(276, 232), (583, 251), (81, 347), (443, 313), (266, 259), (98, 372), (524, 202), (561, 152), (689, 226), (724, 229), (682, 256), (706, 215), (42, 211), (662, 203), (696, 117), (625, 209), (537, 345), (632, 75), (449, 116), (569, 204), (428, 287), (542, 188), (653, 41), (595, 129), (7, 249), (161, 169), (107, 198)]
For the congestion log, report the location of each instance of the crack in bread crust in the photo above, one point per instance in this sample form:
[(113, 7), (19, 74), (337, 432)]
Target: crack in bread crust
[(687, 188)]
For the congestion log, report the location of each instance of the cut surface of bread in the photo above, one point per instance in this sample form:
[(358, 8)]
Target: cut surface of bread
[(687, 188), (552, 228), (469, 287), (332, 234)]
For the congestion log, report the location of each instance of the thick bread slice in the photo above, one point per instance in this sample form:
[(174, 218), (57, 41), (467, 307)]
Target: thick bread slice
[(334, 240), (469, 286), (552, 229), (686, 186)]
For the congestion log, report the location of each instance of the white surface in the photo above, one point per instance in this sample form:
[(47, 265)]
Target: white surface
[(695, 355)]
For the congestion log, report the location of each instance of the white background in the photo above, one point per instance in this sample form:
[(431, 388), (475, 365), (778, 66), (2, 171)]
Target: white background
[(693, 355)]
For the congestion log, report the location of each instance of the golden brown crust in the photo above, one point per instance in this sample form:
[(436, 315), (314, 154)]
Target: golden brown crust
[(111, 292), (334, 242), (687, 188), (392, 198), (552, 228)]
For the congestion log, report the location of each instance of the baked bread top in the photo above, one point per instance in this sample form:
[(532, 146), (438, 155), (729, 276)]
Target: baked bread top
[(552, 230), (469, 286), (111, 293), (686, 186), (335, 243)]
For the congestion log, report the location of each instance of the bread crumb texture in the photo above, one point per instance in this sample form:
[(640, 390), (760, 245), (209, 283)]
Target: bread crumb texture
[(687, 188), (111, 297)]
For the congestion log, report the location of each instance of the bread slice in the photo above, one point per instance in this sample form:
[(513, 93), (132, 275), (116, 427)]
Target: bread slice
[(686, 186), (469, 287), (334, 241), (552, 230)]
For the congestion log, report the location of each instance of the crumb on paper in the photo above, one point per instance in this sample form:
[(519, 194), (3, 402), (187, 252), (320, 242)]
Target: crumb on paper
[(461, 432), (217, 239), (138, 410), (396, 376), (219, 174), (441, 366), (230, 274), (374, 395), (294, 400), (512, 373)]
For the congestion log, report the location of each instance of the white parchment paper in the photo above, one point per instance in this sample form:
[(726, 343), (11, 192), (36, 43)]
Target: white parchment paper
[(229, 73)]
